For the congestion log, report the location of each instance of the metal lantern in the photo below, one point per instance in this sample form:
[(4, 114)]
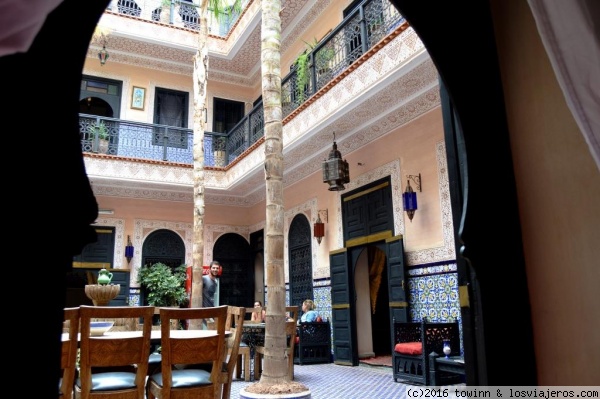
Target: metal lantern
[(336, 171)]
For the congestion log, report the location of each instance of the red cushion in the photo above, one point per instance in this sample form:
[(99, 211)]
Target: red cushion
[(409, 348)]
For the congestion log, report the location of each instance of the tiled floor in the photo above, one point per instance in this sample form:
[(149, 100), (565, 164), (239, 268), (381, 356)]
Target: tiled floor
[(331, 381)]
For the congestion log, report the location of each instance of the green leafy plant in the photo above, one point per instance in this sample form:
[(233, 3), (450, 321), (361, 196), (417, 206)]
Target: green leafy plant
[(99, 129), (164, 286), (302, 73), (322, 58)]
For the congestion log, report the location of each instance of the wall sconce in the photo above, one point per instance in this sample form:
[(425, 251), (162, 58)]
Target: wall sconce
[(336, 171), (409, 197), (103, 54), (319, 226), (129, 250)]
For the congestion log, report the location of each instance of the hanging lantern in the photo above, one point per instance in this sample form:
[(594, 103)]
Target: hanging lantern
[(103, 55), (336, 171)]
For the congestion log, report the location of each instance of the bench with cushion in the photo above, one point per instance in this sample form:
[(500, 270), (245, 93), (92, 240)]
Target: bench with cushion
[(313, 343), (412, 344)]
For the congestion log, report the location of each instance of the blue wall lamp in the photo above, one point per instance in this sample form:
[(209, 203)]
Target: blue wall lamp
[(409, 197)]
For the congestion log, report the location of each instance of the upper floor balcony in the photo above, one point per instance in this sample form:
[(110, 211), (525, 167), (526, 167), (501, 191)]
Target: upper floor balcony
[(321, 66), (367, 76)]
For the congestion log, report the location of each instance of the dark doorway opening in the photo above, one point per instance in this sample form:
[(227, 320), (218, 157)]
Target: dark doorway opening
[(226, 114)]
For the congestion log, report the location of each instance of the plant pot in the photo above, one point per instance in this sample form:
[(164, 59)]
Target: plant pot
[(219, 157), (251, 395), (103, 146)]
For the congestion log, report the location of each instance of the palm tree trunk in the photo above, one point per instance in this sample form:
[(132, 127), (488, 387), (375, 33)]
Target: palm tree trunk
[(275, 362), (200, 82)]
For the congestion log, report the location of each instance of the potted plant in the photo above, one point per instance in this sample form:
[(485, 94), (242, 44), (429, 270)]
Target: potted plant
[(163, 285), (165, 11), (322, 61), (98, 132)]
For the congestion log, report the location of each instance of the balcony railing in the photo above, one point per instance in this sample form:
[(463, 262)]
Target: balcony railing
[(130, 139), (182, 13), (366, 25)]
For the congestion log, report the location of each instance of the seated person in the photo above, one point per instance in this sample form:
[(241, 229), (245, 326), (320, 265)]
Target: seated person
[(308, 311), (258, 317)]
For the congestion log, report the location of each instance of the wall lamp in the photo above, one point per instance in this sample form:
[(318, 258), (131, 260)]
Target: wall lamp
[(319, 226), (129, 250), (409, 197), (335, 169)]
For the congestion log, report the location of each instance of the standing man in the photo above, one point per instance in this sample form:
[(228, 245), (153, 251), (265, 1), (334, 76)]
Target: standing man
[(209, 285)]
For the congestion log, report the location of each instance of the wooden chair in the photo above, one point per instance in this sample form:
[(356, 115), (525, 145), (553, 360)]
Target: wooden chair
[(68, 358), (244, 354), (256, 313), (235, 324), (290, 329), (414, 342), (103, 352), (313, 342), (179, 350)]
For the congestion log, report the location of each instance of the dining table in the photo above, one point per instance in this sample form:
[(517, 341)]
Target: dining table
[(253, 334), (155, 335)]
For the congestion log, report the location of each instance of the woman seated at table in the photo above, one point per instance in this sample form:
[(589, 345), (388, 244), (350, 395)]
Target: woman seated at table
[(308, 311), (258, 316)]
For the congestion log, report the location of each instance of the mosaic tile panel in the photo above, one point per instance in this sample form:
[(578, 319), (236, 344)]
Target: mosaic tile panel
[(434, 296), (134, 296)]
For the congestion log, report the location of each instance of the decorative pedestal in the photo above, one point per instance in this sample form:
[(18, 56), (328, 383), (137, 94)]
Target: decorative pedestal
[(250, 395), (101, 295)]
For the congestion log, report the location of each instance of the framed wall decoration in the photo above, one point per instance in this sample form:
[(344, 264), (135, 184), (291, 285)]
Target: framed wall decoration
[(138, 97)]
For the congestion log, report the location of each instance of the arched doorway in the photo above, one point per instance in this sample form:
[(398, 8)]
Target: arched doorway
[(300, 261), (162, 246), (95, 106), (99, 96), (372, 303), (367, 275), (236, 284), (351, 296)]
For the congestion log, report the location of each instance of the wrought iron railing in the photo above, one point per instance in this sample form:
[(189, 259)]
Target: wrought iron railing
[(362, 28), (183, 13), (146, 141)]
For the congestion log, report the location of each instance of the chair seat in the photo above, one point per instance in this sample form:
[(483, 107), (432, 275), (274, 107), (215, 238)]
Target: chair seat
[(154, 358), (154, 363), (185, 378), (111, 381)]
